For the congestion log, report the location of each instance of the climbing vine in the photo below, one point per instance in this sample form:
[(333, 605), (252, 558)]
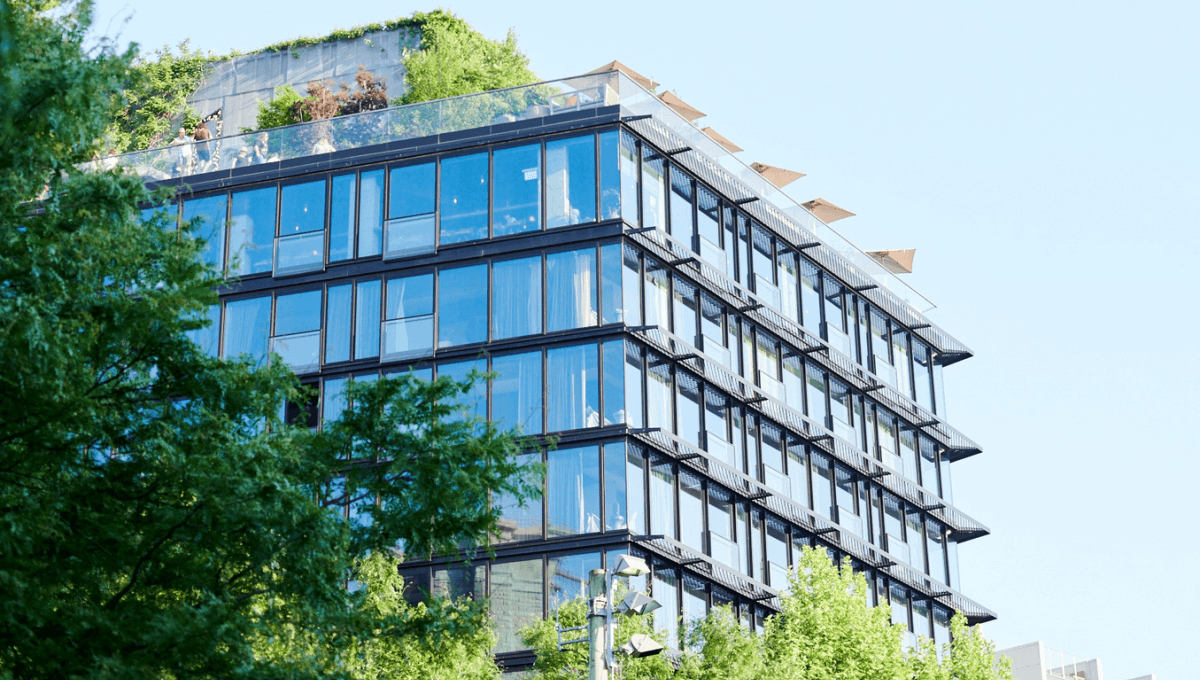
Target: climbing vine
[(153, 101)]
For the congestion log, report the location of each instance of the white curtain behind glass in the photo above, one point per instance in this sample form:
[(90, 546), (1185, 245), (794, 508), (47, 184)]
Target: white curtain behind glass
[(571, 282), (517, 298)]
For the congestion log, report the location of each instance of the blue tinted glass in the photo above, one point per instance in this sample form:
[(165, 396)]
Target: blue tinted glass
[(616, 511), (411, 192), (366, 320), (517, 201), (629, 178), (462, 305), (654, 189), (474, 402), (573, 491), (573, 395), (252, 233), (614, 382), (333, 399), (610, 176), (337, 324), (517, 298), (302, 208), (370, 214), (341, 218), (247, 327), (298, 313), (567, 576), (207, 338), (411, 296), (210, 212), (571, 181), (517, 392), (570, 289), (612, 308), (464, 198)]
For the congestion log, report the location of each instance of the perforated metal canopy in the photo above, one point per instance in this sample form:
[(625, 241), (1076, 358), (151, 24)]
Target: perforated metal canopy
[(826, 211)]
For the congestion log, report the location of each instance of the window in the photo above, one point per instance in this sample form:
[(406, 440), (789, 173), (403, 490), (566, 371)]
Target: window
[(810, 296), (722, 538), (635, 489), (570, 289), (900, 361), (300, 246), (341, 217), (516, 187), (614, 381), (880, 348), (708, 228), (893, 526), (516, 599), (247, 328), (616, 497), (517, 298), (798, 472), (839, 406), (370, 213), (366, 319), (662, 497), (685, 311), (929, 467), (716, 426), (691, 510), (570, 180), (519, 523), (658, 282), (666, 591), (297, 337), (937, 551), (633, 386), (567, 576), (408, 325), (788, 282), (573, 399), (764, 268), (410, 227), (462, 305), (209, 212), (916, 540), (899, 602), (464, 198), (473, 404), (848, 512), (908, 452), (338, 310), (252, 230), (573, 494), (816, 395), (517, 392), (208, 337), (654, 191), (712, 316), (687, 407), (612, 302), (631, 286), (682, 221), (822, 483), (922, 382), (629, 178), (659, 395), (887, 440), (333, 398), (612, 167)]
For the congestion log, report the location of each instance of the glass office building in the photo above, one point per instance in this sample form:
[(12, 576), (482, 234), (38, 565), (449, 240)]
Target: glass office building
[(727, 378)]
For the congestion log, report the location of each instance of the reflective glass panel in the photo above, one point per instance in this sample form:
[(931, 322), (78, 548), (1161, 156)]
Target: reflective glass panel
[(516, 298), (474, 402), (247, 328), (635, 489), (691, 510), (612, 308), (610, 177), (207, 338), (516, 600), (614, 381), (573, 490), (567, 576), (662, 498), (252, 230), (666, 592), (341, 217), (464, 198), (654, 190), (370, 214), (366, 319), (570, 181), (517, 195), (573, 397), (337, 324), (302, 208), (412, 190), (210, 226), (298, 313), (616, 507), (408, 326), (517, 391), (519, 523), (462, 305), (630, 187), (682, 224), (570, 289)]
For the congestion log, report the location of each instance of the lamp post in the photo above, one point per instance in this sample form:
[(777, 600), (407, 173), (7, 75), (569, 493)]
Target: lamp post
[(600, 624)]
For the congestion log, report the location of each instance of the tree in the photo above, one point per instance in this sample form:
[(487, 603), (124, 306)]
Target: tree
[(160, 518), (724, 649), (152, 101), (455, 59)]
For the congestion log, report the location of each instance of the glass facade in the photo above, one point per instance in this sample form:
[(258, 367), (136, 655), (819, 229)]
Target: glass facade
[(722, 396)]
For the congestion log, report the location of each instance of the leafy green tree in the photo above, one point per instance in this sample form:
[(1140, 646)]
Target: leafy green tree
[(152, 102), (455, 59), (159, 517), (724, 649), (279, 111), (828, 630)]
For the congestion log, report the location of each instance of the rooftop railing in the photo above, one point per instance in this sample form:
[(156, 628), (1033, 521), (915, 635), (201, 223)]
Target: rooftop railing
[(495, 107)]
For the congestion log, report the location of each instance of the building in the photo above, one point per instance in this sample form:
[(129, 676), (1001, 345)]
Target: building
[(1036, 661), (728, 378)]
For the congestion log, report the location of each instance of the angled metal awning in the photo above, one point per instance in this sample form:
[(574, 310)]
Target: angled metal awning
[(895, 261), (681, 107), (826, 211), (637, 77), (720, 139), (780, 177)]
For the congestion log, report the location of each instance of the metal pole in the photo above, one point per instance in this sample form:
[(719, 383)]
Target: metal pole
[(597, 625)]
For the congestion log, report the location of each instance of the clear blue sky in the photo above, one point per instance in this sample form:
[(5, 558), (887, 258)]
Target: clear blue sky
[(1043, 159)]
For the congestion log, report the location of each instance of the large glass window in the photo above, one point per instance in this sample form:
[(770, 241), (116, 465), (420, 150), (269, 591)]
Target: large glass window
[(516, 298), (573, 398), (922, 382), (788, 277), (937, 551), (464, 198), (516, 599), (900, 361), (614, 381), (517, 391), (685, 312), (822, 484), (571, 181), (252, 230), (709, 228), (687, 407), (301, 243), (635, 489), (682, 221), (716, 426), (462, 305), (612, 298), (516, 186), (519, 523), (839, 405), (810, 296), (816, 395), (658, 297), (570, 289), (616, 498), (208, 337), (916, 540), (410, 227), (612, 167), (654, 189), (408, 327), (721, 536), (370, 214), (929, 466), (366, 319), (210, 215), (341, 217), (573, 478), (691, 510), (297, 337), (662, 497), (846, 491), (247, 328), (567, 576), (338, 310), (631, 286), (633, 386), (666, 591), (798, 472), (474, 402), (659, 395)]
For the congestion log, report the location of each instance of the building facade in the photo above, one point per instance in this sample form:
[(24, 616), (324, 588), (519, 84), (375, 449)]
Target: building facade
[(1036, 661), (727, 379)]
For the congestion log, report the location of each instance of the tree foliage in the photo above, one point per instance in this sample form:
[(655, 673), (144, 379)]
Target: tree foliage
[(152, 102), (825, 631), (455, 59), (159, 517)]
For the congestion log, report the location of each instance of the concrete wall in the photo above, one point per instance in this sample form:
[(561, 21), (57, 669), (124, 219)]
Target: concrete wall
[(238, 84)]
